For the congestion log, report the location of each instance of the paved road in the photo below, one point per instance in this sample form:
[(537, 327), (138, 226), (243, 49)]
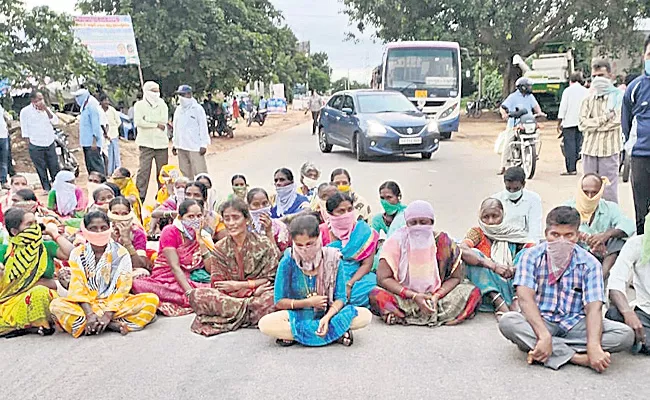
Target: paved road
[(167, 361)]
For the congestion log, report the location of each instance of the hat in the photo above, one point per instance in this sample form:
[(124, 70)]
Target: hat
[(184, 89)]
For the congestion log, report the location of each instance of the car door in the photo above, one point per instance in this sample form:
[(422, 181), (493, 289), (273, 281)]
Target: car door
[(333, 115), (348, 123)]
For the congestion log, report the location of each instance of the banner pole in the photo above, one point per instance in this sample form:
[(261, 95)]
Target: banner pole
[(141, 78)]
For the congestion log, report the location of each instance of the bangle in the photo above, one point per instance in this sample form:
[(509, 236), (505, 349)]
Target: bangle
[(349, 284), (187, 293), (402, 293), (414, 296), (292, 301)]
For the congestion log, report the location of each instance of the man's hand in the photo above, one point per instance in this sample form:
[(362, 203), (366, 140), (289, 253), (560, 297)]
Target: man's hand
[(597, 240), (94, 145), (598, 359), (174, 151), (162, 127), (633, 321), (202, 151), (543, 349)]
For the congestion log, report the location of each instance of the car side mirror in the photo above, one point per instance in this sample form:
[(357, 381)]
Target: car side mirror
[(347, 111)]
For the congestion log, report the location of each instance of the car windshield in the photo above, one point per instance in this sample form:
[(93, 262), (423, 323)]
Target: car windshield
[(384, 102)]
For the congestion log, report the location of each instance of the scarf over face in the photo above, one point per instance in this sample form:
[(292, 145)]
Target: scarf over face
[(66, 198), (501, 236), (587, 206)]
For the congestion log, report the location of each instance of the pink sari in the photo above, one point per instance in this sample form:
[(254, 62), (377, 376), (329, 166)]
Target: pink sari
[(163, 283)]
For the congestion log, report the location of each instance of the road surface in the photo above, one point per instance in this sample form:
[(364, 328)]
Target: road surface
[(470, 361)]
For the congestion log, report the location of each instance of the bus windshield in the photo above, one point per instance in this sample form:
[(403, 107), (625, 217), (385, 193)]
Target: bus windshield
[(433, 69)]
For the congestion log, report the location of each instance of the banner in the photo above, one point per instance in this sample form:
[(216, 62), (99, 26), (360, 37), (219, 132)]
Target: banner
[(109, 39), (276, 106)]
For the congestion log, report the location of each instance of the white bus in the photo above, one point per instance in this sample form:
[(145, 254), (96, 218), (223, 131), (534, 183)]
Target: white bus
[(429, 74)]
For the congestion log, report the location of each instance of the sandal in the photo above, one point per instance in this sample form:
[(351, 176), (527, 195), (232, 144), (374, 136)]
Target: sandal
[(390, 319), (285, 343), (347, 339)]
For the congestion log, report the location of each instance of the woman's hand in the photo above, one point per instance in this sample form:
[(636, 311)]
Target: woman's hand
[(267, 224), (503, 271), (230, 286), (104, 321), (125, 234), (348, 289), (92, 322), (263, 288), (323, 326), (318, 302), (424, 303), (52, 230)]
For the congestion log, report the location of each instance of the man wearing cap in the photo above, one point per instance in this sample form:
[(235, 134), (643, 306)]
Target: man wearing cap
[(150, 118), (191, 137)]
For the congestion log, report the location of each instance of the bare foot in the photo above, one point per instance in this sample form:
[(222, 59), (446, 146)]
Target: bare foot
[(120, 327), (580, 359)]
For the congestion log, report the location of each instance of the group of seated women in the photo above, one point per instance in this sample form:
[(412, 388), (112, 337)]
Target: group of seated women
[(308, 264)]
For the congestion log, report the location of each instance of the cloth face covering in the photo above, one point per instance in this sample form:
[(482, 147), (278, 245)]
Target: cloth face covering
[(98, 239), (392, 209), (559, 257), (343, 225), (587, 206), (286, 197), (256, 215)]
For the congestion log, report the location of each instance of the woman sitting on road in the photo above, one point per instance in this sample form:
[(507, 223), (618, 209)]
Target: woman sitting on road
[(325, 191), (309, 176), (26, 200), (165, 213), (26, 279), (213, 195), (98, 297), (128, 232), (341, 179), (242, 277), (311, 293), (489, 251), (16, 183), (392, 219), (288, 201), (102, 197), (420, 275), (65, 198), (261, 221), (239, 188), (358, 243), (167, 177), (181, 252), (212, 223), (122, 178)]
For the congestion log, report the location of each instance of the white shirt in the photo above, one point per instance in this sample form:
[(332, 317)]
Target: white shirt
[(190, 128), (628, 264), (572, 98), (111, 117), (4, 132), (37, 126), (315, 103), (526, 213)]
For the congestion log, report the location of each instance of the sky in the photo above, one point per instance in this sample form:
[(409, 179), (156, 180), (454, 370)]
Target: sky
[(319, 21)]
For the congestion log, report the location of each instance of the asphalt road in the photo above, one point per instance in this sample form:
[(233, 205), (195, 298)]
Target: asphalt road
[(470, 361)]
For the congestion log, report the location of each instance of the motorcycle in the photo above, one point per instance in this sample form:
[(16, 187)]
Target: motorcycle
[(224, 128), (523, 147), (67, 160), (474, 109), (256, 116)]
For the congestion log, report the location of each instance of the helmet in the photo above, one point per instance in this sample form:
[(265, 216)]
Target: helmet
[(524, 85)]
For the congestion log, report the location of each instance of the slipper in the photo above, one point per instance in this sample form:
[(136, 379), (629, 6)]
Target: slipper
[(390, 319), (347, 339), (285, 343)]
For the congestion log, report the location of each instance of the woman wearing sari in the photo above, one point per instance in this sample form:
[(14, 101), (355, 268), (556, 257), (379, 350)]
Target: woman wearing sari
[(181, 252), (311, 294), (309, 176), (341, 179), (489, 251), (392, 218), (16, 183), (288, 201), (26, 284), (261, 221), (420, 275), (98, 298), (128, 233), (65, 198), (165, 213), (242, 277), (239, 188), (213, 196), (128, 189), (357, 242), (212, 223)]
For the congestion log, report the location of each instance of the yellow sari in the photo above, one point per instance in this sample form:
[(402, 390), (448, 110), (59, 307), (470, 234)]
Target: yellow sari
[(23, 303), (171, 171)]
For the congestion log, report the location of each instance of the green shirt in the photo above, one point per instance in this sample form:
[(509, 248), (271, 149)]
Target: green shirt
[(51, 248), (607, 216)]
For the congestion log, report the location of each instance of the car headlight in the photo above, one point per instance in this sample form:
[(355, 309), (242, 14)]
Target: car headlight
[(376, 128), (433, 126), (448, 111)]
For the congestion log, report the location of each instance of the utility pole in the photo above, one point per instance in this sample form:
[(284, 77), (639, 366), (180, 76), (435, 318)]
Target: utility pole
[(480, 74)]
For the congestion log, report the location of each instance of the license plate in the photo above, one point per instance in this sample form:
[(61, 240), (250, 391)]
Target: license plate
[(415, 140), (421, 94)]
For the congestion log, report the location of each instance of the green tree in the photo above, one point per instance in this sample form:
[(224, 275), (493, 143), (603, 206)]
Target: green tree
[(318, 80), (501, 28), (342, 84)]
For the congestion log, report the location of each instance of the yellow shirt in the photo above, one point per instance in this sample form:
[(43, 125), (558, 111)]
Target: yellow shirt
[(146, 119)]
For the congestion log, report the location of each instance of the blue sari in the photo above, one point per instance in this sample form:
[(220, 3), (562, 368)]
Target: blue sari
[(362, 244), (294, 209), (291, 283)]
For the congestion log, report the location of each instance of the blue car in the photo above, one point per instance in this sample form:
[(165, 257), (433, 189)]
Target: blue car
[(376, 123)]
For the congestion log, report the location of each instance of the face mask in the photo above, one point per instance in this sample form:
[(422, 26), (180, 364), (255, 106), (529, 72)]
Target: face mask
[(391, 209), (179, 193), (185, 102), (240, 191), (100, 206), (559, 256), (344, 188), (28, 236), (420, 236), (80, 100), (150, 96), (601, 85), (99, 239), (308, 254), (647, 67), (309, 182), (256, 215), (342, 225), (513, 196), (191, 226), (120, 182), (523, 90), (285, 191)]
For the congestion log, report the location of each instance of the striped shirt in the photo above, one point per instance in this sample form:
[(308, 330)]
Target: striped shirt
[(601, 129), (564, 302)]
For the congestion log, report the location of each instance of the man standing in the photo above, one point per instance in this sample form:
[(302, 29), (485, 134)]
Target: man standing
[(636, 128), (522, 207), (561, 294), (36, 124), (150, 119), (569, 115), (113, 121), (91, 133), (191, 137), (600, 123), (314, 105)]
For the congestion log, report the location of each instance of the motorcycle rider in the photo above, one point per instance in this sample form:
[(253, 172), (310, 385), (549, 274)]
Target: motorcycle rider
[(261, 109), (521, 98)]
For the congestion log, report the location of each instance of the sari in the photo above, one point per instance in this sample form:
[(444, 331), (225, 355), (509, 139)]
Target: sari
[(219, 311), (24, 303), (300, 203), (104, 285), (362, 244), (174, 173), (162, 282), (76, 208), (129, 189), (458, 305)]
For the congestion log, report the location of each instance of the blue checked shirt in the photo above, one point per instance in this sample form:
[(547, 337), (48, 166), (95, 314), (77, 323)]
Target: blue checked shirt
[(564, 302)]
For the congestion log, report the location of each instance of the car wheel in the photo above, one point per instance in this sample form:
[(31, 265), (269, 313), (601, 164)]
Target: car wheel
[(358, 148), (445, 135), (427, 155), (322, 141)]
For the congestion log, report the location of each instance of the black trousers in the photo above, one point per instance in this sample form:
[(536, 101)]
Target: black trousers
[(45, 159), (640, 189), (615, 315), (572, 139), (94, 160), (314, 116)]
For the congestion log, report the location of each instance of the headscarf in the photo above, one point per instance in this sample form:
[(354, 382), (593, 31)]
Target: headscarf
[(411, 252), (307, 181), (66, 199), (326, 263), (147, 94), (25, 263), (172, 171), (585, 205), (81, 96), (501, 235), (287, 195)]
